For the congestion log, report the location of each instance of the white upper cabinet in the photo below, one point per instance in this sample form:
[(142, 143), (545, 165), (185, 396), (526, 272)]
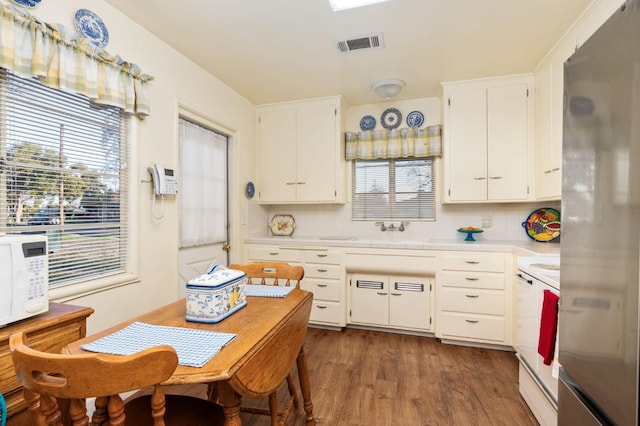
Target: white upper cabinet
[(488, 128), (548, 143), (549, 99), (300, 155)]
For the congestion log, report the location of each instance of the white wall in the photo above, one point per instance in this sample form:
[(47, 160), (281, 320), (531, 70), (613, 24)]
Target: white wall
[(176, 81)]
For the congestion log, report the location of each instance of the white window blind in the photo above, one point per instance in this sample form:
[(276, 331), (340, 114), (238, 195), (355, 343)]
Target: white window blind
[(393, 189), (63, 174), (203, 183)]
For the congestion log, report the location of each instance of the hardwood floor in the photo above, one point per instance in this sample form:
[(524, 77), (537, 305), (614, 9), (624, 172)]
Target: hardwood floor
[(370, 378)]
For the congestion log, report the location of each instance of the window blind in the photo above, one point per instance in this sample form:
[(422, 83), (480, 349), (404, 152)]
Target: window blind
[(393, 189), (63, 164)]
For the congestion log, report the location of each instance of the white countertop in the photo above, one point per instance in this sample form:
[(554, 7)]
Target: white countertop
[(522, 248)]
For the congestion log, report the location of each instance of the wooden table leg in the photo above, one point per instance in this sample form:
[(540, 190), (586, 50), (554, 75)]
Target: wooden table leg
[(305, 385), (230, 400)]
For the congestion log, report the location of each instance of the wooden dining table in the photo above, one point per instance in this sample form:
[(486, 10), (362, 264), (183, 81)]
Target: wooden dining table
[(270, 332)]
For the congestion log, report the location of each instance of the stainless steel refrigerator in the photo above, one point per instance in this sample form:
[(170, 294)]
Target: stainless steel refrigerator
[(600, 247)]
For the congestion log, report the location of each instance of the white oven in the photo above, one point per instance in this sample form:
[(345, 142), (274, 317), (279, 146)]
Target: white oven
[(538, 381)]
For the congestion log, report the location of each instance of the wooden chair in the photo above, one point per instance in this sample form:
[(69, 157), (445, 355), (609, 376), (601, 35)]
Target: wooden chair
[(48, 377), (274, 273)]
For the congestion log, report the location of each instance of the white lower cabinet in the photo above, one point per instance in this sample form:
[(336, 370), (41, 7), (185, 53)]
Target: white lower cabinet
[(391, 301), (474, 298), (324, 275)]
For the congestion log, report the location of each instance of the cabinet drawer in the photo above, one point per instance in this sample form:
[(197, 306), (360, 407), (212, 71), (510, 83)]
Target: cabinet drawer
[(481, 280), (328, 312), (473, 262), (472, 326), (274, 254), (472, 300), (322, 289), (322, 256), (322, 271)]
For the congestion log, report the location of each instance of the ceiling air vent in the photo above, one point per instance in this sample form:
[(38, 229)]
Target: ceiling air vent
[(371, 41)]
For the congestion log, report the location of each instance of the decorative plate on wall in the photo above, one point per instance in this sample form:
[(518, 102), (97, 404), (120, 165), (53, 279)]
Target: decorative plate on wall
[(415, 119), (27, 3), (367, 123), (391, 118), (282, 225), (250, 190), (89, 25), (543, 225)]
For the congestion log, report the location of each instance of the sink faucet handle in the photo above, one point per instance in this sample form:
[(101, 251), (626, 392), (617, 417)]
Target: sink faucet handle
[(382, 226), (402, 226)]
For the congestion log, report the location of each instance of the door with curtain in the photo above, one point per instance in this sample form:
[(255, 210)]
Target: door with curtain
[(203, 200)]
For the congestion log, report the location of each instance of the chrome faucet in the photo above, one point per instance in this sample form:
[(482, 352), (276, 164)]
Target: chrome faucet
[(392, 226)]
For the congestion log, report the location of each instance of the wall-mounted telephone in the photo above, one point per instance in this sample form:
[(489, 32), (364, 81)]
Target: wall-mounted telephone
[(164, 180)]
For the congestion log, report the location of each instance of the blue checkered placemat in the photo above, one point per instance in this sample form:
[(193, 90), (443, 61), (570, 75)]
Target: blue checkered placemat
[(267, 290), (194, 347)]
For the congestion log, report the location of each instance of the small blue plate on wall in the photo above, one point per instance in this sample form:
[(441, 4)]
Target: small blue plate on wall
[(89, 25), (391, 118), (250, 191), (27, 3), (415, 119), (367, 123)]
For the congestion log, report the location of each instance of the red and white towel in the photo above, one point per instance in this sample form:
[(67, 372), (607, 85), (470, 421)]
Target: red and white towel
[(548, 326)]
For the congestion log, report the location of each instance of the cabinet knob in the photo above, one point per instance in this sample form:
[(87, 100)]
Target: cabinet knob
[(472, 321), (495, 177), (472, 296), (479, 178), (472, 262), (321, 255), (471, 278), (321, 270), (291, 183), (322, 285), (381, 293), (301, 183), (322, 306), (396, 294)]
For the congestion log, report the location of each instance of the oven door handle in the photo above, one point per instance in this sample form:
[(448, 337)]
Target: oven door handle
[(521, 277)]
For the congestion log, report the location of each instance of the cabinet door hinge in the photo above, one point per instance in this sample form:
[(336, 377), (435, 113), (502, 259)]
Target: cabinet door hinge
[(449, 192), (429, 320), (349, 283), (449, 101), (527, 93), (349, 313), (430, 287), (335, 111), (259, 120), (527, 189)]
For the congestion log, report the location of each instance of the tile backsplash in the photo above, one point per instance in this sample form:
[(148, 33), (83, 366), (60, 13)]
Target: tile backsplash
[(335, 221)]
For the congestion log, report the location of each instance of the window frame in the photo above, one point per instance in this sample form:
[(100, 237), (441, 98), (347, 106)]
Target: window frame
[(129, 268)]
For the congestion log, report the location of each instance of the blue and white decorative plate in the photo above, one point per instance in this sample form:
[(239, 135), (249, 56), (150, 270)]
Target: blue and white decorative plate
[(367, 123), (415, 119), (391, 118), (90, 25), (250, 191), (27, 3)]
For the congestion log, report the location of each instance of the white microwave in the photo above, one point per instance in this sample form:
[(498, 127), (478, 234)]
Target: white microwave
[(24, 277)]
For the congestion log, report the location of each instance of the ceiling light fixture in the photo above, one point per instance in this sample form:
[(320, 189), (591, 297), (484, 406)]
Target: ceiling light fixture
[(337, 5), (388, 87)]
